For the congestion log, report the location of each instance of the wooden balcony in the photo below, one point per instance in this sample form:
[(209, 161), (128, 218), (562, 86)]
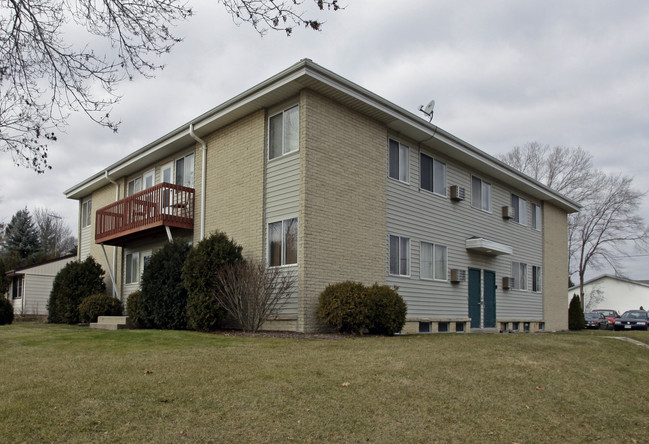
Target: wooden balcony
[(145, 214)]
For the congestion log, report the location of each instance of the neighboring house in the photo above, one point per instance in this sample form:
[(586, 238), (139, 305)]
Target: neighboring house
[(30, 287), (613, 292), (312, 173)]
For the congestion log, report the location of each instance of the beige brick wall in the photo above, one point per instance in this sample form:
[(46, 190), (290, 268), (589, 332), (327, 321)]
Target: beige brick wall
[(235, 183), (342, 232), (555, 268), (101, 198)]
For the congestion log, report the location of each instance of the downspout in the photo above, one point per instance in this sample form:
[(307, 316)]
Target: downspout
[(203, 178), (115, 291)]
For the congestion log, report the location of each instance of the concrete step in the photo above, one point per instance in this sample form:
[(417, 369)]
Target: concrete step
[(112, 323)]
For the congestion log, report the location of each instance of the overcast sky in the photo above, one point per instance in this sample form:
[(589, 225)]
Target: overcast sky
[(502, 73)]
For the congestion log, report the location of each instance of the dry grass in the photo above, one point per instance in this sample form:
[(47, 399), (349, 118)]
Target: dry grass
[(69, 384)]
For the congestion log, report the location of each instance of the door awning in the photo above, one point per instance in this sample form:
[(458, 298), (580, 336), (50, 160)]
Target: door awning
[(488, 247)]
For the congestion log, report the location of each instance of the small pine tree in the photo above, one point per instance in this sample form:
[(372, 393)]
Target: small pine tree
[(576, 319), (21, 235)]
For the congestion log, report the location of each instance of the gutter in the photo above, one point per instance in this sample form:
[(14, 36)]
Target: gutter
[(203, 178)]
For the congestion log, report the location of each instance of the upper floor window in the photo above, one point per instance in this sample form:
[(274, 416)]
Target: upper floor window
[(480, 194), (282, 242), (86, 213), (432, 174), (284, 132), (536, 278), (433, 261), (520, 209), (140, 183), (519, 273), (399, 161), (399, 255), (185, 171), (536, 216)]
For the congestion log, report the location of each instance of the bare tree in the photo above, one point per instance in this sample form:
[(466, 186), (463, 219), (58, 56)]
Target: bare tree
[(56, 237), (252, 293), (608, 226), (43, 77)]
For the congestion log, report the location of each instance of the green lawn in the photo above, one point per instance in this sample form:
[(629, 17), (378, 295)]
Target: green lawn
[(72, 384)]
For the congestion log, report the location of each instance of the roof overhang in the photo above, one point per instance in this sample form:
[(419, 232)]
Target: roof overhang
[(488, 247), (309, 75)]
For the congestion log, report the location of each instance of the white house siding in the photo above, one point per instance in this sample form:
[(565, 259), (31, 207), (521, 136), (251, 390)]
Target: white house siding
[(86, 239), (283, 202), (424, 216), (613, 293)]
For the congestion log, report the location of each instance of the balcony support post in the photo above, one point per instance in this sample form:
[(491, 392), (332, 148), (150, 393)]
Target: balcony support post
[(171, 239), (110, 272)]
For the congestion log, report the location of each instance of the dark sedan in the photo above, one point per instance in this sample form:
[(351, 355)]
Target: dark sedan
[(595, 320), (632, 320)]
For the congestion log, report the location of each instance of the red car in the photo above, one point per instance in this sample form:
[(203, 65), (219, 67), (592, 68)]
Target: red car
[(610, 316)]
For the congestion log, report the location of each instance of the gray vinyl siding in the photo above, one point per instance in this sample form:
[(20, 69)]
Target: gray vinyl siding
[(424, 216), (85, 241), (283, 202)]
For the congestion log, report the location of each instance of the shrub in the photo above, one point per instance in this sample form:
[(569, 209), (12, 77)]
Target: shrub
[(134, 309), (344, 307), (576, 319), (386, 310), (76, 281), (203, 262), (252, 293), (164, 297), (99, 304), (6, 311)]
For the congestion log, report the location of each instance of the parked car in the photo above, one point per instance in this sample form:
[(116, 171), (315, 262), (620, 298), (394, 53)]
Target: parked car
[(610, 316), (632, 320), (595, 320)]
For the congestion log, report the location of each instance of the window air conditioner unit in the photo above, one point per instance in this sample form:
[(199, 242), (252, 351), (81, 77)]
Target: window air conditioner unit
[(508, 283), (508, 212), (457, 192), (458, 275)]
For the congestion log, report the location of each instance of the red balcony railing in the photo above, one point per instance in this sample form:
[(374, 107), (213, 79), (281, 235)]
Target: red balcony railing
[(163, 204)]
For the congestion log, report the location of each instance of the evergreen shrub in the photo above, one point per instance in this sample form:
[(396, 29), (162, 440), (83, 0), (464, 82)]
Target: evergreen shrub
[(576, 319), (344, 307), (99, 304), (6, 311), (76, 281), (164, 297), (199, 273), (134, 309), (386, 310)]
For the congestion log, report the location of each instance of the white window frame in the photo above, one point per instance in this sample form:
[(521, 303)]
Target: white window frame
[(402, 158), (131, 271), (86, 213), (402, 256), (188, 170), (290, 140), (169, 166), (537, 220), (435, 187), (537, 279), (485, 194), (427, 266), (520, 209), (519, 273), (284, 225)]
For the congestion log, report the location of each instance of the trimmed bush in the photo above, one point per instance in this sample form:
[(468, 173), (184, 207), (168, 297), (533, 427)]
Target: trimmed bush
[(134, 309), (344, 307), (76, 281), (203, 263), (576, 319), (97, 305), (164, 297), (6, 311), (386, 310)]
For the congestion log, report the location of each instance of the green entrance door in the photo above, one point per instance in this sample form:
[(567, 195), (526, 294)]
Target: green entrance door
[(474, 297), (489, 299)]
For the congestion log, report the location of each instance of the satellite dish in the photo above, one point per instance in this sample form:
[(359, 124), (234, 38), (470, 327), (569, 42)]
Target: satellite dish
[(428, 109)]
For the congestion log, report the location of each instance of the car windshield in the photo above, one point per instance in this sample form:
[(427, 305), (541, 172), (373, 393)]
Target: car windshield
[(591, 315), (635, 315), (606, 312)]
